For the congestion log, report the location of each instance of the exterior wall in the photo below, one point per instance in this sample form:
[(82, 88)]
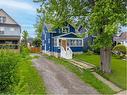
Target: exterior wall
[(9, 20), (72, 29), (87, 42), (124, 42), (77, 49), (10, 30)]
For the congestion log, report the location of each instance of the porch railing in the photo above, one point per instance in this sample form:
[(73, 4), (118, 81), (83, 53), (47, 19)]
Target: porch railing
[(9, 46)]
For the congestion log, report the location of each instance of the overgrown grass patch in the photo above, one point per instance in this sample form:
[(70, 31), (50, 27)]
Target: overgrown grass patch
[(118, 75), (18, 75), (84, 75), (30, 82)]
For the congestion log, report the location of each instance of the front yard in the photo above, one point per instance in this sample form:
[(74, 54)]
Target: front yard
[(118, 75), (84, 75)]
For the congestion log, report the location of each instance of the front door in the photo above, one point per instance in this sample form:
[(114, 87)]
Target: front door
[(64, 44)]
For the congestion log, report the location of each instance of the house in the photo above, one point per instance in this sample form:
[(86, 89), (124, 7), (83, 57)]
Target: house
[(62, 42), (9, 32), (87, 39), (121, 39)]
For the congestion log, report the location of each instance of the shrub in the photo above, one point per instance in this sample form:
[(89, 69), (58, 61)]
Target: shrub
[(89, 52), (24, 51), (8, 63), (120, 50)]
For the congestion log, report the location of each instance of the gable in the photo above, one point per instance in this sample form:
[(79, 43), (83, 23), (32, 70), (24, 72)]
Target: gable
[(8, 20)]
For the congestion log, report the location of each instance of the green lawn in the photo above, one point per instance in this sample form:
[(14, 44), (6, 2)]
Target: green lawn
[(30, 82), (118, 75), (84, 75)]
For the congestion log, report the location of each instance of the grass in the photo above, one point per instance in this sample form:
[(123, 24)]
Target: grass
[(84, 75), (118, 75), (18, 75), (30, 82)]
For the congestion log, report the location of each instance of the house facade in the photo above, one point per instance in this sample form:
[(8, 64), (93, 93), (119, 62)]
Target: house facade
[(10, 32), (121, 39), (62, 42)]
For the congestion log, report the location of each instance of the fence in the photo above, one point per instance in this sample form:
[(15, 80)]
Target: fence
[(35, 49)]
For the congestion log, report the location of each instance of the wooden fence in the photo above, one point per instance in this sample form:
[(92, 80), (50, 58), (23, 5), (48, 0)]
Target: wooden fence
[(35, 49)]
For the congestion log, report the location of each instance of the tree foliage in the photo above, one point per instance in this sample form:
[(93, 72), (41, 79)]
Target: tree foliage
[(25, 36), (39, 27), (102, 18), (120, 48)]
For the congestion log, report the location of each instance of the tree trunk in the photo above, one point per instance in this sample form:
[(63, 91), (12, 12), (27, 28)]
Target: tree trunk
[(105, 54)]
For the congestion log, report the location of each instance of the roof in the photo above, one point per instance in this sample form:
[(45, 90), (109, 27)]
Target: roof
[(12, 25), (9, 17), (122, 37), (68, 35)]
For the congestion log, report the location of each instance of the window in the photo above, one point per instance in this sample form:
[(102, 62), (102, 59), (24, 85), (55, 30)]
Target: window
[(2, 19), (43, 42), (12, 29), (75, 42), (65, 29), (48, 40), (1, 32), (55, 42)]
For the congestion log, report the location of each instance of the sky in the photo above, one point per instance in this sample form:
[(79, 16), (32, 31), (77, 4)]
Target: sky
[(23, 12)]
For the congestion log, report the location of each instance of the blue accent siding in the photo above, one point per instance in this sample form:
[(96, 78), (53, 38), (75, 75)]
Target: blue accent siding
[(77, 49), (87, 42), (72, 29), (56, 49)]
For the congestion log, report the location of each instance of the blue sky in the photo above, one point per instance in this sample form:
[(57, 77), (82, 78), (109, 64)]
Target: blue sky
[(23, 11)]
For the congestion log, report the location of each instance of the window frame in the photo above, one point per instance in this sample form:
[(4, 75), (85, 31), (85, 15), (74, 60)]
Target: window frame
[(2, 19)]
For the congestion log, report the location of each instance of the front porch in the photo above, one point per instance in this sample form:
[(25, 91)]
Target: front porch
[(10, 44)]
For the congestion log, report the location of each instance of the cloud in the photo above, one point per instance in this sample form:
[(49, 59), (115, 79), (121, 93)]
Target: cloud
[(15, 4)]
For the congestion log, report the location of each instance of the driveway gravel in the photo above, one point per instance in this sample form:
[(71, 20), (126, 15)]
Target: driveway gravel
[(59, 81)]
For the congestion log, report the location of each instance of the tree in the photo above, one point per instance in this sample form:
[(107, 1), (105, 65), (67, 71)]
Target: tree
[(37, 42), (25, 37), (39, 27), (101, 17)]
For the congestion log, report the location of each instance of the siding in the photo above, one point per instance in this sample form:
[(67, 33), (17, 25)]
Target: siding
[(9, 20), (11, 31)]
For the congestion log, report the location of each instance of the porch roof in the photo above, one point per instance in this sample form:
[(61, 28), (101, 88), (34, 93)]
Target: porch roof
[(68, 35)]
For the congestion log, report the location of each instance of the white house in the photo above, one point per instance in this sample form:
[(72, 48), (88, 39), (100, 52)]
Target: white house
[(10, 31), (122, 38)]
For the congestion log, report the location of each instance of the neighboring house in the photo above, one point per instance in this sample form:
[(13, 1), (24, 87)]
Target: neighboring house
[(121, 39), (9, 31), (62, 42), (87, 40)]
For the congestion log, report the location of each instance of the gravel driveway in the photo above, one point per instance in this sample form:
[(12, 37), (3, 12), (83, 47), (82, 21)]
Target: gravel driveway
[(60, 81)]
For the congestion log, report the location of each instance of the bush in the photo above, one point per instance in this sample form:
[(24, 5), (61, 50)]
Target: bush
[(8, 64), (24, 51), (89, 52), (120, 50)]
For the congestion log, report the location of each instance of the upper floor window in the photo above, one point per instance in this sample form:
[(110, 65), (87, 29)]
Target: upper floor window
[(65, 29), (12, 29), (2, 19), (1, 32)]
